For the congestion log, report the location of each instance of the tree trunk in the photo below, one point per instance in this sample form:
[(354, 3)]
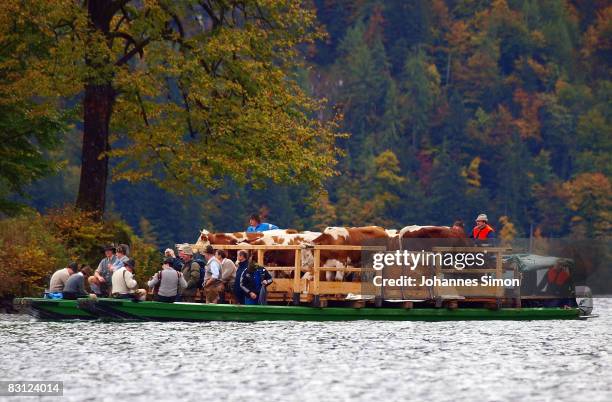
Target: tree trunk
[(97, 109)]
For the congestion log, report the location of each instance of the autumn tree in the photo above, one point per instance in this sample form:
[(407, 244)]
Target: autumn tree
[(184, 93)]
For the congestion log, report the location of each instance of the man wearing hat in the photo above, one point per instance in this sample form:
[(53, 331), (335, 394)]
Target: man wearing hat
[(191, 273), (124, 284), (101, 279), (483, 232)]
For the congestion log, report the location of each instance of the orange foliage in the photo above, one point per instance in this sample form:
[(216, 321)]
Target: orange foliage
[(29, 253), (529, 123)]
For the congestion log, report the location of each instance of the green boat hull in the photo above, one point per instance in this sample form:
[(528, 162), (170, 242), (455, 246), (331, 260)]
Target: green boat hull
[(88, 309), (224, 312), (52, 309)]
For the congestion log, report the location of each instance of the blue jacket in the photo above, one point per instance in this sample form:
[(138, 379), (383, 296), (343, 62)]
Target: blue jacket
[(254, 281), (262, 227), (238, 292)]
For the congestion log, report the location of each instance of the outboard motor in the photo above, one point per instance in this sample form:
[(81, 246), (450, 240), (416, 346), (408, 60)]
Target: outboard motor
[(584, 298)]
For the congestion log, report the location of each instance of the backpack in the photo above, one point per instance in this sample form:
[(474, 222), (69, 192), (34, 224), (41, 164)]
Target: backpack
[(177, 264), (156, 287), (202, 265)]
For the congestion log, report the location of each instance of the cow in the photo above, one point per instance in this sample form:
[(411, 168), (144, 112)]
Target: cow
[(234, 238), (392, 232), (455, 236), (286, 258), (207, 238), (346, 236)]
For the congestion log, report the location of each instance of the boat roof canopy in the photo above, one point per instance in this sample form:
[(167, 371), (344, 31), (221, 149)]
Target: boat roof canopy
[(534, 262)]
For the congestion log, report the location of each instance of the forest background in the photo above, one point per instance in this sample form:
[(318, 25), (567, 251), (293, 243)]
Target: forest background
[(441, 110)]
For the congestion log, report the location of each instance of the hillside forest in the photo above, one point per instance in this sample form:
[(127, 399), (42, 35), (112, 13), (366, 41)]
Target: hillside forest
[(438, 110)]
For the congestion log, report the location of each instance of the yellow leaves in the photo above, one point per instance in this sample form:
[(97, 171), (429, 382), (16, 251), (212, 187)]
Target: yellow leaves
[(471, 174), (388, 168), (589, 196), (221, 103), (508, 231)]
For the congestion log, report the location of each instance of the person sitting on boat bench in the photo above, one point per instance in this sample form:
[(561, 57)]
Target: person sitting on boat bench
[(100, 281), (167, 282), (61, 276), (124, 284), (213, 285), (255, 225), (254, 282), (75, 287), (558, 282), (122, 257)]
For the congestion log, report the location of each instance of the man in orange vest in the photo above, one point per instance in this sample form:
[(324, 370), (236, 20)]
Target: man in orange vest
[(558, 280), (483, 232)]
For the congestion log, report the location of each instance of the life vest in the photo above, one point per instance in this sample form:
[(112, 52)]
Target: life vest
[(481, 234), (557, 277)]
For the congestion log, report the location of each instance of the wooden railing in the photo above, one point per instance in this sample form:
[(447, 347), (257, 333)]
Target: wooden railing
[(299, 289)]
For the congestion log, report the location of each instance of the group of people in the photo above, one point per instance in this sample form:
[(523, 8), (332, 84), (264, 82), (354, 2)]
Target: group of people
[(113, 277), (179, 279), (213, 273)]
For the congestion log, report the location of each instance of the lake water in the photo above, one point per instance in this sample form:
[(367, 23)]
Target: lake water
[(367, 360)]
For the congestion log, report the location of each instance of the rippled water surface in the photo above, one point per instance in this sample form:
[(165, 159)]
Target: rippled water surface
[(367, 360)]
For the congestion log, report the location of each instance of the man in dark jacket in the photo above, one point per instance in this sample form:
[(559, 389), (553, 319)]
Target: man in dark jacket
[(254, 282), (243, 264), (75, 286)]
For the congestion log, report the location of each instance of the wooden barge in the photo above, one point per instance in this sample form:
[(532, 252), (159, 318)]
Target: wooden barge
[(299, 299)]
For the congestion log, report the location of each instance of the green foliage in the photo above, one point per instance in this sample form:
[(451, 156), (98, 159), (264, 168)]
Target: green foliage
[(492, 110), (28, 127)]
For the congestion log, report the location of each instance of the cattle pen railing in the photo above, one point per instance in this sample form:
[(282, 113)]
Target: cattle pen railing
[(300, 289), (314, 290)]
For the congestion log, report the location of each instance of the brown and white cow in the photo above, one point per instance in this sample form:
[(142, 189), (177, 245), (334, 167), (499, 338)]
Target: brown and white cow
[(454, 236), (346, 236), (206, 238), (226, 238), (286, 258)]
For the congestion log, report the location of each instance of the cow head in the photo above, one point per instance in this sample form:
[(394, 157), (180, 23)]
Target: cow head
[(203, 240)]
